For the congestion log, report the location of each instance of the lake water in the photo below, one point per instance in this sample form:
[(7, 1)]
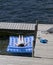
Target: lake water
[(26, 11)]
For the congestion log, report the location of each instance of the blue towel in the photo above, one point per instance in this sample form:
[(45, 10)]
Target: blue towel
[(13, 40)]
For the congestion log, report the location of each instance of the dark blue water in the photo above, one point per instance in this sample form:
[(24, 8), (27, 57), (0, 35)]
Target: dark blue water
[(26, 11)]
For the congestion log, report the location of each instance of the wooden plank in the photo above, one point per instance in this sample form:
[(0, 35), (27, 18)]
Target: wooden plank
[(17, 26), (35, 35)]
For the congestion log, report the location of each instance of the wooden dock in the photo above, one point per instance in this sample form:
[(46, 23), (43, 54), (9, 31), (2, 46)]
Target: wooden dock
[(43, 53)]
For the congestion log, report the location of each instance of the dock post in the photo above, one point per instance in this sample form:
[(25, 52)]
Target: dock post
[(35, 35)]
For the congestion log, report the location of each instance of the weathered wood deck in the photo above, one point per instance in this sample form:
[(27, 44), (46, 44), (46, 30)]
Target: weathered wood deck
[(16, 28), (43, 53)]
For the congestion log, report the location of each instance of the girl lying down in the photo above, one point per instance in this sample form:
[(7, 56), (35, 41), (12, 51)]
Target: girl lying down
[(21, 42)]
